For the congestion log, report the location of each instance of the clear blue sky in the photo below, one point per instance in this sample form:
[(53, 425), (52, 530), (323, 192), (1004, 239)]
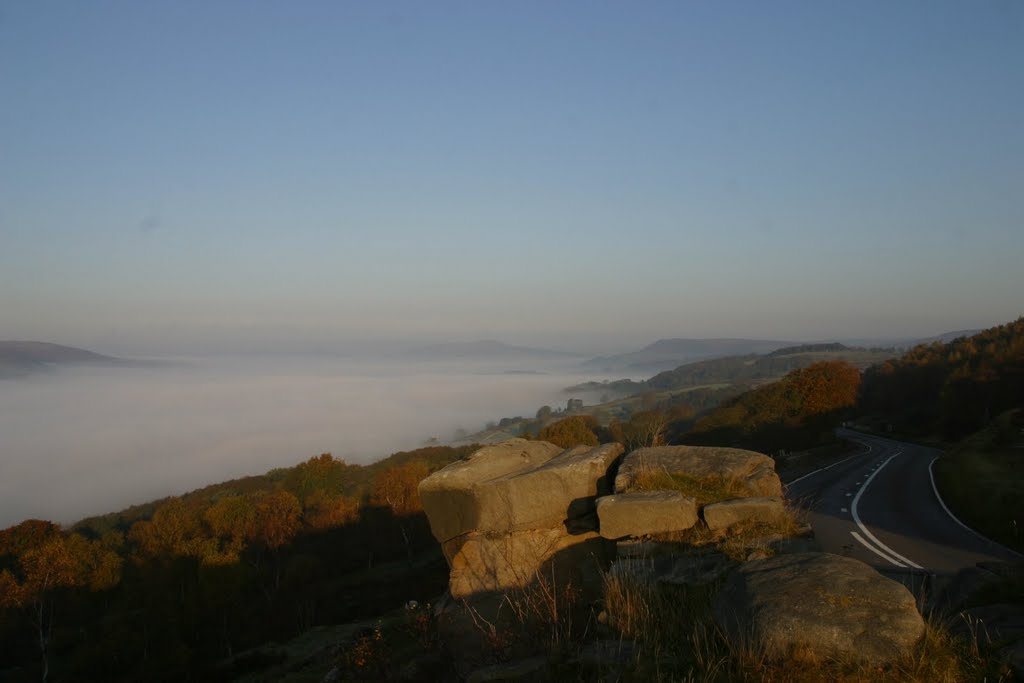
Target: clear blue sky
[(570, 173)]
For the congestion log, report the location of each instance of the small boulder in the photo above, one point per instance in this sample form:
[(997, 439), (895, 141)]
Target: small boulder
[(834, 606), (765, 509), (645, 512), (755, 471)]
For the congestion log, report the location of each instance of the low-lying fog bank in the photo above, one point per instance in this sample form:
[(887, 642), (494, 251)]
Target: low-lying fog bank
[(85, 441)]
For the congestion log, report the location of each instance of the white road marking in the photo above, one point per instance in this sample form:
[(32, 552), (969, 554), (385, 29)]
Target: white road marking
[(876, 551), (931, 475), (843, 510), (868, 534), (822, 469)]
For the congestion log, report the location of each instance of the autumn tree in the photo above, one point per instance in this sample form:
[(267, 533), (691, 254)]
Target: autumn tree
[(232, 522), (320, 473), (794, 412), (278, 519), (41, 561), (825, 387), (952, 388), (324, 510), (571, 431), (398, 490), (643, 429), (175, 530)]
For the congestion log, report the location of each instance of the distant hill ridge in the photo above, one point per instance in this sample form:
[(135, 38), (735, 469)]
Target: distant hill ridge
[(830, 347), (665, 354), (485, 349), (19, 358)]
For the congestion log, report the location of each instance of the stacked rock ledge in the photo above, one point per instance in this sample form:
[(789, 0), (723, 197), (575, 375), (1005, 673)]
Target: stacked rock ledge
[(523, 512), (510, 509)]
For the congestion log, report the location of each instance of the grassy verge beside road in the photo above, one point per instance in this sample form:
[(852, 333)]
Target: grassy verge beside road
[(982, 481)]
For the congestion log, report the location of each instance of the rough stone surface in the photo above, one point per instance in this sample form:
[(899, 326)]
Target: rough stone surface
[(720, 516), (694, 569), (698, 570), (516, 485), (456, 498), (755, 470), (513, 519), (532, 669), (482, 563), (834, 606), (606, 656), (645, 512)]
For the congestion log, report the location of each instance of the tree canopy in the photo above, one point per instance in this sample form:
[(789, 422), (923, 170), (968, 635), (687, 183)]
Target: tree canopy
[(571, 431)]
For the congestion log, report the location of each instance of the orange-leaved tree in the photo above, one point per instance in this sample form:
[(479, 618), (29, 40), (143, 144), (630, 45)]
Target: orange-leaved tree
[(397, 489), (571, 431), (39, 561)]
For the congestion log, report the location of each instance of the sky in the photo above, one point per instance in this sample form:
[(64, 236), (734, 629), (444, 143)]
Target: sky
[(587, 175)]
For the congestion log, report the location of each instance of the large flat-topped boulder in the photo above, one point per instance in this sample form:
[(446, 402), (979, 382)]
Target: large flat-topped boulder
[(763, 509), (645, 512), (451, 495), (516, 485), (834, 606), (755, 471)]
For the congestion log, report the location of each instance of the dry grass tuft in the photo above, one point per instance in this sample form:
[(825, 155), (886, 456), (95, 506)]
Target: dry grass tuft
[(704, 490)]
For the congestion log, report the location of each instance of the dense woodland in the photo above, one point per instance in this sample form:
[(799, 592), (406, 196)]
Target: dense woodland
[(179, 589), (173, 590), (951, 389), (758, 368)]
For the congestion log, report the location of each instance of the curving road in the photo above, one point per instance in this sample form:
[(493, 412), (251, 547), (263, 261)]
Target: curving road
[(879, 505)]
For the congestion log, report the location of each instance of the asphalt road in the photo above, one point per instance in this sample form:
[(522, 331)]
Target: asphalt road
[(879, 506)]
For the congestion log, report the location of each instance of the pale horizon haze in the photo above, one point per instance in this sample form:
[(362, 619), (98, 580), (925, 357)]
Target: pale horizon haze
[(283, 196), (191, 176)]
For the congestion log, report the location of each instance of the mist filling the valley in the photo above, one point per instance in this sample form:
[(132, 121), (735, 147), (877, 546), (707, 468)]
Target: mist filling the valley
[(90, 440)]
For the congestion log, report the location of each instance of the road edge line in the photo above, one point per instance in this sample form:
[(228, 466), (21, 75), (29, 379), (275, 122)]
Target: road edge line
[(856, 517), (938, 496)]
